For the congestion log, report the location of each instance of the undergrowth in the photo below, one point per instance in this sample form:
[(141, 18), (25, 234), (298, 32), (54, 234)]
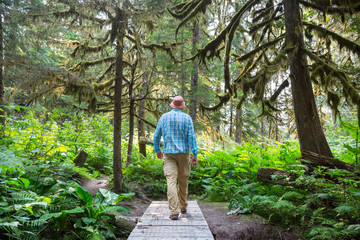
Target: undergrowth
[(40, 197)]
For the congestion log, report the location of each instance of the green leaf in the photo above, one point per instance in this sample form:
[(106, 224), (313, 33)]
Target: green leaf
[(321, 195), (88, 221), (106, 197), (25, 182), (13, 183), (354, 227), (354, 191), (117, 209), (123, 196), (75, 210), (10, 224), (50, 215), (351, 149), (29, 208), (352, 129), (84, 195), (345, 209)]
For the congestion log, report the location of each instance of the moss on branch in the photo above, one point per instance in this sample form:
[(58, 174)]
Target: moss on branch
[(342, 41)]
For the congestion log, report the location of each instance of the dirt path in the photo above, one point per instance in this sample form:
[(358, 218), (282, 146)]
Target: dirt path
[(92, 185), (222, 226)]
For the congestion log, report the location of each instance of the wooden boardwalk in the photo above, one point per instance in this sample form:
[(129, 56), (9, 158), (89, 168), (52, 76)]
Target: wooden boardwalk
[(156, 224)]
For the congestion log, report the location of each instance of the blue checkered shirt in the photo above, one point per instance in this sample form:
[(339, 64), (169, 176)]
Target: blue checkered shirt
[(178, 132)]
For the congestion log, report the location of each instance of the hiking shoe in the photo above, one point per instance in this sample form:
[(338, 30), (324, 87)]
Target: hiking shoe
[(183, 211), (174, 216)]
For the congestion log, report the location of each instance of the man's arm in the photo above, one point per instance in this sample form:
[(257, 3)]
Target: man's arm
[(157, 137), (192, 143)]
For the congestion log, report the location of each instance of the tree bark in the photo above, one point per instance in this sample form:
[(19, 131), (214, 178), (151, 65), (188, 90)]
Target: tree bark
[(239, 125), (310, 132), (231, 118), (283, 178), (195, 75), (131, 116), (117, 164), (141, 113), (2, 84), (262, 130), (81, 158)]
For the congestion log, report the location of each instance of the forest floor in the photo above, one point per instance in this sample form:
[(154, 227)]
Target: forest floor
[(222, 226)]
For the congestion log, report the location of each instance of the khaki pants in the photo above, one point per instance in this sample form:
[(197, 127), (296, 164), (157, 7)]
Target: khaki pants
[(177, 171)]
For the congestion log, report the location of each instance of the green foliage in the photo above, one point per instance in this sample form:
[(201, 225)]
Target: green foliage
[(25, 214), (39, 199), (87, 217), (148, 173), (220, 173)]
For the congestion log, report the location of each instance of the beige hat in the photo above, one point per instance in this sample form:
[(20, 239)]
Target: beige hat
[(178, 103)]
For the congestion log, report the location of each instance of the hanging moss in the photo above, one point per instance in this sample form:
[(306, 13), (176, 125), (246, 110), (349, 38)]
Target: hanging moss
[(200, 7), (183, 9), (342, 42), (318, 73), (162, 47), (223, 99), (349, 90), (264, 23), (85, 64), (264, 12), (333, 100), (260, 48), (212, 48), (339, 7)]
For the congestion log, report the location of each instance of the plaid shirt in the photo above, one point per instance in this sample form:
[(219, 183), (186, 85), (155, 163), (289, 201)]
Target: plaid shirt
[(178, 132)]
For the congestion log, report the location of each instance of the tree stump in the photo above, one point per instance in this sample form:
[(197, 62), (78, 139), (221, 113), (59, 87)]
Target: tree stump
[(81, 158)]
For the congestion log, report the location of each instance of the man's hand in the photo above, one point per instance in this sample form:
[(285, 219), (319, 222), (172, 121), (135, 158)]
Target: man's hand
[(160, 155), (194, 161)]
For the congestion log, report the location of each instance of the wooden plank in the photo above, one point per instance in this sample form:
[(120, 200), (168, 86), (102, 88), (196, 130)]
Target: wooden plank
[(155, 224)]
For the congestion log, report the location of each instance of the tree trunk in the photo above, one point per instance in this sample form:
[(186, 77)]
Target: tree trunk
[(195, 75), (270, 129), (277, 137), (2, 85), (141, 113), (231, 118), (131, 124), (117, 164), (310, 132), (239, 125), (182, 73), (262, 129)]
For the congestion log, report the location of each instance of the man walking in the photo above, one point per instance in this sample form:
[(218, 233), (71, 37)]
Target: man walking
[(177, 129)]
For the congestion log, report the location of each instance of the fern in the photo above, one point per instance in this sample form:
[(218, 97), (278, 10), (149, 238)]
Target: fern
[(36, 223), (292, 196), (24, 196), (321, 233), (28, 235), (9, 159), (283, 205), (345, 209), (116, 210)]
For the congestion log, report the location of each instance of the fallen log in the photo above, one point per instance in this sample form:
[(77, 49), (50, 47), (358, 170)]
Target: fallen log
[(276, 176), (312, 160), (309, 159), (81, 158), (149, 141)]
